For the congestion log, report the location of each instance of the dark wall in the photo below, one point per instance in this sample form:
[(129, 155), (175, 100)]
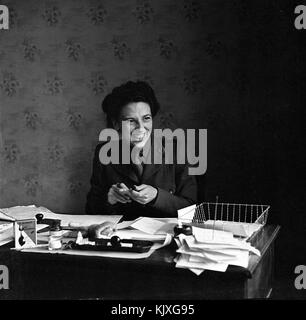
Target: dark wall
[(233, 67)]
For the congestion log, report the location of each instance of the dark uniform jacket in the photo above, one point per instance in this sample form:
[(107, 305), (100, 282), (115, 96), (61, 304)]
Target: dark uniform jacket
[(176, 189)]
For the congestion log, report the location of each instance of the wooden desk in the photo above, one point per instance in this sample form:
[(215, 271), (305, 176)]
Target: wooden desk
[(58, 276)]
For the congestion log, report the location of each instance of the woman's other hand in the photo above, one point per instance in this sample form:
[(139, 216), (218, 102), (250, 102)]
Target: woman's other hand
[(143, 194), (118, 192)]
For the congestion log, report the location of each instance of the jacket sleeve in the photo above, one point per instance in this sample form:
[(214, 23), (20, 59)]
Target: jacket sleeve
[(97, 196), (185, 195)]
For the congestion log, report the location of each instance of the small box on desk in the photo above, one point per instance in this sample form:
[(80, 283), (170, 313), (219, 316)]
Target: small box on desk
[(25, 233)]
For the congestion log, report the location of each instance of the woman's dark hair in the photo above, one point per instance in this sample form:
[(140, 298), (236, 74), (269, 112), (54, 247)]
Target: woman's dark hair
[(128, 92)]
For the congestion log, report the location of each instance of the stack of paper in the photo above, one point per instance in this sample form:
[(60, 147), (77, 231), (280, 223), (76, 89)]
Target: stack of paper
[(240, 229), (209, 249)]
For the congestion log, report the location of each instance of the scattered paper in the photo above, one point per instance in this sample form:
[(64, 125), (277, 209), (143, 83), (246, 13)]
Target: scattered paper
[(184, 262), (152, 226), (207, 251), (147, 225), (6, 230), (28, 212), (68, 220), (168, 220), (217, 236), (225, 246), (125, 224), (5, 217), (197, 271), (139, 235), (6, 241), (186, 214), (22, 212)]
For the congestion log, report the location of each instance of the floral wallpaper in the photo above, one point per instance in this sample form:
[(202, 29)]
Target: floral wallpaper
[(60, 58)]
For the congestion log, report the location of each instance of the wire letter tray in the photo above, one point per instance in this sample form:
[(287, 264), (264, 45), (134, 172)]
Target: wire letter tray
[(241, 219)]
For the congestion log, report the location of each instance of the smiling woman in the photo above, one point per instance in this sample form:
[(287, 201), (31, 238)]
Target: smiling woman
[(135, 123), (138, 187)]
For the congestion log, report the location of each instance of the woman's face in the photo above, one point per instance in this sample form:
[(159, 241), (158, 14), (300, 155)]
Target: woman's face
[(136, 121)]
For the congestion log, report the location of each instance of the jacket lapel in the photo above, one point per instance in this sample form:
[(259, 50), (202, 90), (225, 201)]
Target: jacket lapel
[(148, 170), (151, 169), (126, 170)]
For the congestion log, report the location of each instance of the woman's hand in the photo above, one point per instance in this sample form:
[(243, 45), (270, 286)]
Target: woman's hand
[(143, 194), (118, 193)]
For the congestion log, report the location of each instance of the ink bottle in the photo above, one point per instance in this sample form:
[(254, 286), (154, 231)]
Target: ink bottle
[(55, 235)]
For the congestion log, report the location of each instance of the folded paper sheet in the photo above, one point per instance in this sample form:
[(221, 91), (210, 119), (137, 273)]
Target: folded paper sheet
[(185, 262), (186, 214), (147, 225), (153, 226), (213, 250), (148, 228)]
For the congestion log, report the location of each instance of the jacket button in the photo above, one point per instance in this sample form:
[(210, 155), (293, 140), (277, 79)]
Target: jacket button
[(171, 191)]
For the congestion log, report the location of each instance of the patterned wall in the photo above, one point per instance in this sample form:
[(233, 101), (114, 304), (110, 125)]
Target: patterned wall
[(60, 58)]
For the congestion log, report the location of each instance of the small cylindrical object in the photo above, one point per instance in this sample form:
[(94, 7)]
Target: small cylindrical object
[(55, 243)]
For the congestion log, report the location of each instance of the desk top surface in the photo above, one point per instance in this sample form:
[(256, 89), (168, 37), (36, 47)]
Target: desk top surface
[(164, 257)]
